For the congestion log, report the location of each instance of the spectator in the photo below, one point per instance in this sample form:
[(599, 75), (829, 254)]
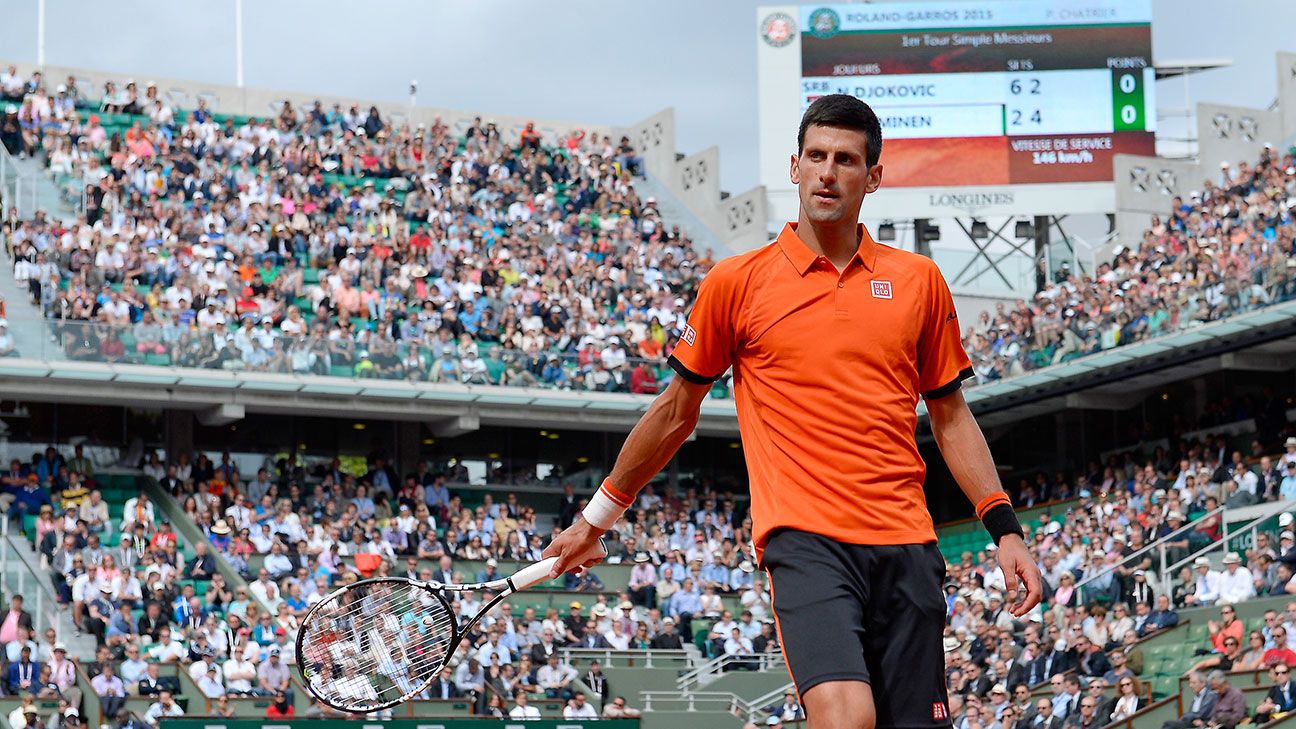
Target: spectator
[(1230, 705), (24, 673), (522, 710), (273, 675), (555, 678), (617, 709), (1281, 696), (280, 707), (164, 706), (110, 690), (578, 708)]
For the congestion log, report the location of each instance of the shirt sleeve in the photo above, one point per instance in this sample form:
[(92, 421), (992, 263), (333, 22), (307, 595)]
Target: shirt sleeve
[(942, 362), (705, 348)]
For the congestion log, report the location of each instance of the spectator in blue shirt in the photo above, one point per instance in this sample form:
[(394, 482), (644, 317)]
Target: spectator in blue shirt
[(717, 575), (28, 498), (1287, 489)]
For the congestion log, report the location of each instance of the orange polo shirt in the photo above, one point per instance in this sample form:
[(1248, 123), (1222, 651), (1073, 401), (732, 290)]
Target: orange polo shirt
[(828, 369)]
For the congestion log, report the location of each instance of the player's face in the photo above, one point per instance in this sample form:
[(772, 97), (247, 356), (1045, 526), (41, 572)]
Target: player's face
[(832, 174)]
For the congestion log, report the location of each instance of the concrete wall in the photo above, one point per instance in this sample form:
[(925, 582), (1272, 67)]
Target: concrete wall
[(739, 221), (1232, 133), (1286, 63), (1144, 187)]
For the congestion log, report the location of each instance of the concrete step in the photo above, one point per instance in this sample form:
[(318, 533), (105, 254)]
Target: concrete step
[(674, 212)]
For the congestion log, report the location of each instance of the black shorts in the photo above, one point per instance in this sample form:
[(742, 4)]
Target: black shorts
[(865, 613)]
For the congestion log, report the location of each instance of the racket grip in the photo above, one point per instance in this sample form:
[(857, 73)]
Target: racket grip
[(538, 572)]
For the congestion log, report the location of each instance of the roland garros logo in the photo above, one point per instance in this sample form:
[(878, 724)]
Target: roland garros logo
[(778, 29)]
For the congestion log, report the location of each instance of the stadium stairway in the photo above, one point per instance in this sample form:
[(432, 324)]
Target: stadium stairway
[(31, 339), (25, 575), (675, 212), (26, 325)]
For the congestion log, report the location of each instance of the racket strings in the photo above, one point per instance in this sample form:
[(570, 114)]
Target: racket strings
[(375, 645)]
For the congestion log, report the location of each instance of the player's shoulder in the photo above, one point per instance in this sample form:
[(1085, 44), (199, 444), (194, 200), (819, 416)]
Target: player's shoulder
[(901, 260), (907, 266), (743, 266)]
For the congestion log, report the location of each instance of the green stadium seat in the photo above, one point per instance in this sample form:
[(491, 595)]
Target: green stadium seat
[(160, 360)]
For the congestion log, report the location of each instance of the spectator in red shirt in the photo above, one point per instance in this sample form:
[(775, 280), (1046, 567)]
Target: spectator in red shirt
[(1280, 653), (643, 380), (279, 708)]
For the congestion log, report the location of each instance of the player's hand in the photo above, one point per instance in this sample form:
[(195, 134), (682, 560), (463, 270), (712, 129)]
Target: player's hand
[(579, 546), (1021, 575)]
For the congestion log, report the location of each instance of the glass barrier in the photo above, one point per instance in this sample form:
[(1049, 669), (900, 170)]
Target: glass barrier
[(265, 349)]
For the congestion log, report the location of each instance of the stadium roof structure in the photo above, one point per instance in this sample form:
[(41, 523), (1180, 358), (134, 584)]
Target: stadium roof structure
[(1119, 379), (1116, 379), (1185, 67)]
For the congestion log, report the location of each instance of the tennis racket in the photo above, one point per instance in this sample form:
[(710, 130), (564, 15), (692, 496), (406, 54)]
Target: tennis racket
[(377, 643)]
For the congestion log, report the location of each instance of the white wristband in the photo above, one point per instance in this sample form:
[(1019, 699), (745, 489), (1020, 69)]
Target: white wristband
[(602, 511)]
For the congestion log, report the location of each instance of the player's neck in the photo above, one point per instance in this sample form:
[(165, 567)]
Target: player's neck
[(837, 242)]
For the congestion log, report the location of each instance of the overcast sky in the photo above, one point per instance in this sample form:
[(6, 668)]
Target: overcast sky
[(600, 61)]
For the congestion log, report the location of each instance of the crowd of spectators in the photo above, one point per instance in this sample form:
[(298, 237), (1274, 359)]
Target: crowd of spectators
[(1227, 249), (1103, 593), (465, 257), (294, 542)]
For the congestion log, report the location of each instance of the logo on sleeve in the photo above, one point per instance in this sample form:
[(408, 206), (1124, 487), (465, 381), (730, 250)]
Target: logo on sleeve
[(690, 334), (939, 711), (881, 289)]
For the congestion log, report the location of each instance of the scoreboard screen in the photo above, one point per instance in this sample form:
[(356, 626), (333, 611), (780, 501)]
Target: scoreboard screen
[(990, 93)]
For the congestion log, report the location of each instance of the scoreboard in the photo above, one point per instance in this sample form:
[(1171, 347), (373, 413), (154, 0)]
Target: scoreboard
[(971, 94)]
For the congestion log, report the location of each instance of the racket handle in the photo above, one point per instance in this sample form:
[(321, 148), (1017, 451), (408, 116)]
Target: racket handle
[(536, 573)]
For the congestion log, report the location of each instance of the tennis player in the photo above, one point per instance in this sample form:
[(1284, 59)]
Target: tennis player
[(833, 338)]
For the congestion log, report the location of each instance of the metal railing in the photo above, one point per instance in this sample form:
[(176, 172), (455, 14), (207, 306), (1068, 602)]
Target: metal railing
[(613, 658), (1250, 529), (725, 701), (707, 672), (769, 698), (183, 344), (695, 701), (1158, 544)]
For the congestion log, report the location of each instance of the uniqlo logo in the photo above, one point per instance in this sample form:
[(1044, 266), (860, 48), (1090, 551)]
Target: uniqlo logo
[(690, 334), (881, 289), (938, 709)]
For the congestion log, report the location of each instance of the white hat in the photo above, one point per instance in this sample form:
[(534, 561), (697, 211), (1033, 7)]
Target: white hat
[(1175, 515), (1053, 528), (991, 547), (59, 646), (491, 562), (1232, 558), (775, 720), (746, 566), (1284, 519), (1287, 535), (1201, 562), (1291, 441)]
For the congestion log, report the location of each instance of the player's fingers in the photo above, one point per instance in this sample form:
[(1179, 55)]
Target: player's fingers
[(1010, 581), (1034, 587)]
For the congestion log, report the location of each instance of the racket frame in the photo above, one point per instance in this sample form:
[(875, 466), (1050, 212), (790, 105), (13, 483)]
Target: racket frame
[(505, 587)]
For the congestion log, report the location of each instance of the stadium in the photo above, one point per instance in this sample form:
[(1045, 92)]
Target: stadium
[(262, 341)]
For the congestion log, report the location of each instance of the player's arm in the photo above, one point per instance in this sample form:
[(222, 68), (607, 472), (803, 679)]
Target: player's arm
[(653, 442), (965, 451)]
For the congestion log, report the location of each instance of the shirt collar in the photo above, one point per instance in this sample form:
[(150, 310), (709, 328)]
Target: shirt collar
[(802, 257)]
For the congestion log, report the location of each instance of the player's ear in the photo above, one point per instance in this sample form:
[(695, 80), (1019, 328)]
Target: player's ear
[(874, 179), (795, 173)]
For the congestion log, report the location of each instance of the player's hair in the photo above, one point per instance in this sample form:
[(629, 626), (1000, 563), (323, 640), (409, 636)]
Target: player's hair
[(847, 112)]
